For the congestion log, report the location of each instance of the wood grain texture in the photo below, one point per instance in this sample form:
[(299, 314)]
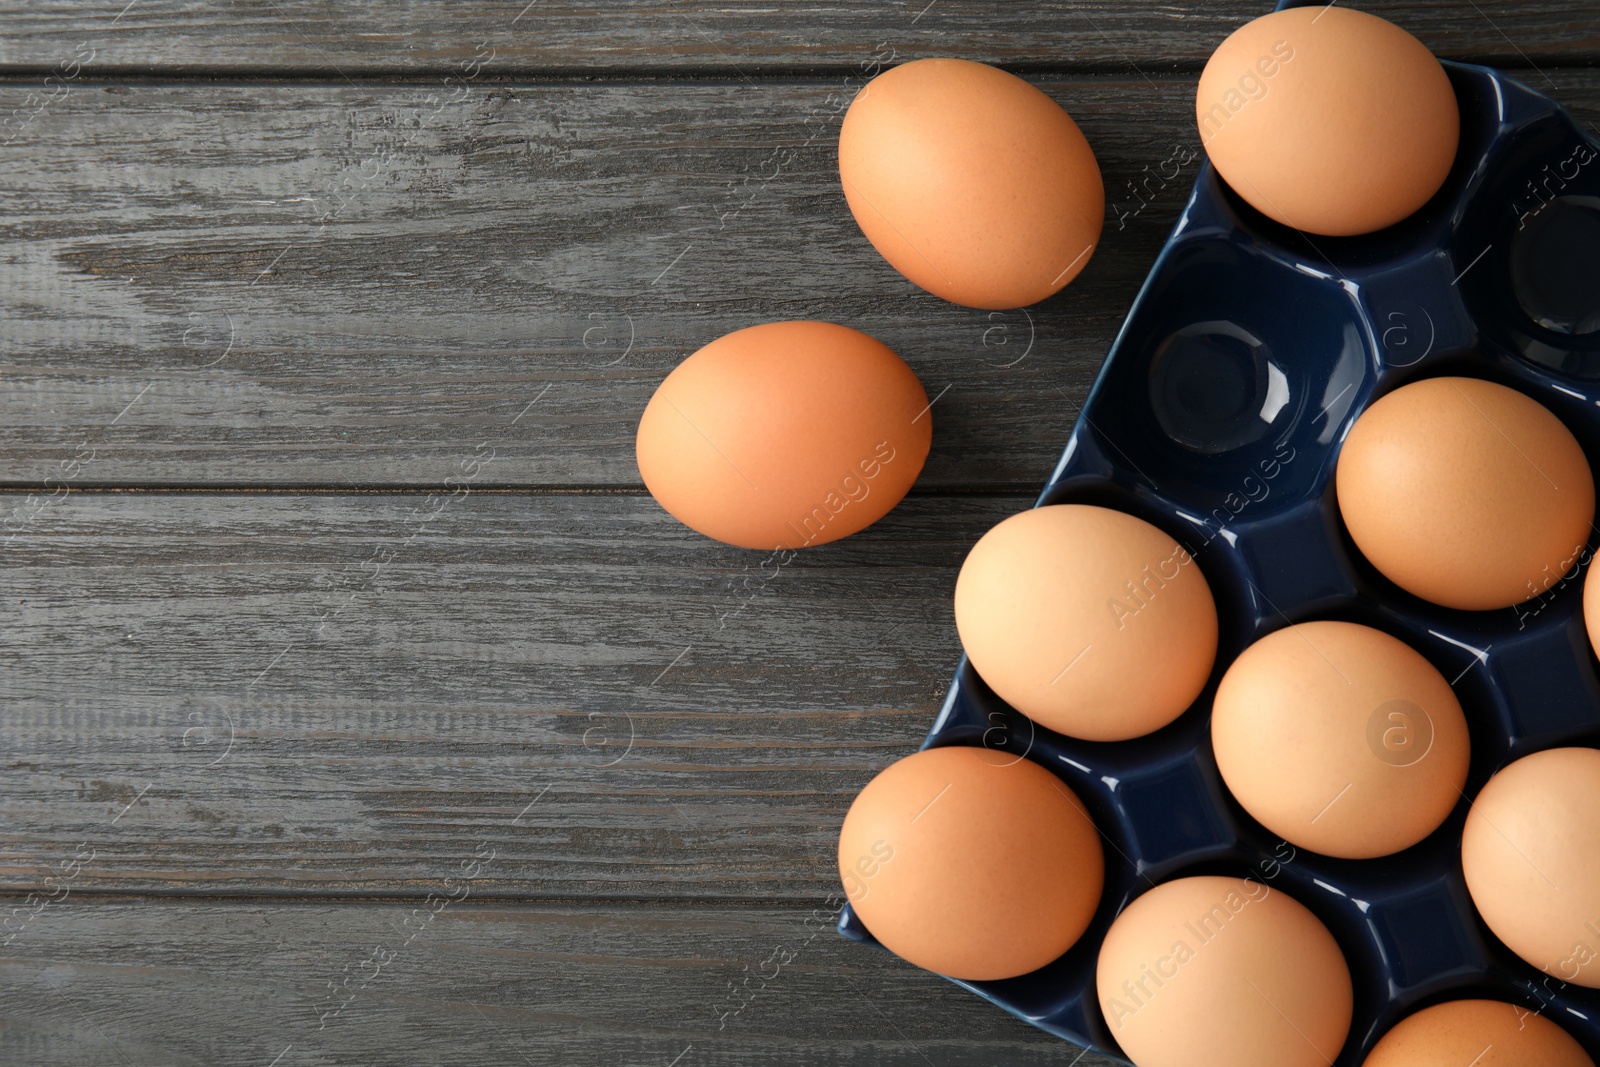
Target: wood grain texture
[(255, 738), (725, 38), (164, 984), (174, 306), (565, 244), (623, 708)]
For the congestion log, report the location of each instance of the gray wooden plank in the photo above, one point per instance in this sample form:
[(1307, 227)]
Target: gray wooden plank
[(177, 317), (513, 244), (92, 983), (331, 694), (735, 38)]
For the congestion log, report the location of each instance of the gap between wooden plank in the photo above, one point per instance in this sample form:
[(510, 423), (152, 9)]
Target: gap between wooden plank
[(169, 897), (624, 77), (579, 77), (999, 489)]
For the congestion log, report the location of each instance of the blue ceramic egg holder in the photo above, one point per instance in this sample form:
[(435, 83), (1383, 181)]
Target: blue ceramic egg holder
[(1218, 417)]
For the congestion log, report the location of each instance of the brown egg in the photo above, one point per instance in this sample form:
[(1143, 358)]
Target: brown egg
[(971, 863), (1327, 119), (970, 182), (1591, 608), (1087, 620), (1477, 1033), (1340, 739), (1223, 972), (785, 435), (1531, 855), (1465, 493)]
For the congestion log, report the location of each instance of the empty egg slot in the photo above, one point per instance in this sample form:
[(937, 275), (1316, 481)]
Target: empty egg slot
[(1234, 381), (1555, 265), (1215, 387), (1527, 252)]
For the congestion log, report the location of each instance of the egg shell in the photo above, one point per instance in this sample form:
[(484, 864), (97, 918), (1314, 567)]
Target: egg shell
[(1465, 492), (1591, 608), (1213, 971), (1090, 621), (1340, 739), (972, 863), (1327, 119), (1531, 856), (1479, 1033), (972, 183), (785, 435)]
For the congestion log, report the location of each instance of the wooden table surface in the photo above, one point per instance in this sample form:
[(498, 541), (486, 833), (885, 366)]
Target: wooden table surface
[(359, 707)]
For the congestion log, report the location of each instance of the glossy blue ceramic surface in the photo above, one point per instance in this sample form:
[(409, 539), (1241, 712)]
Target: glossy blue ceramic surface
[(1218, 416)]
